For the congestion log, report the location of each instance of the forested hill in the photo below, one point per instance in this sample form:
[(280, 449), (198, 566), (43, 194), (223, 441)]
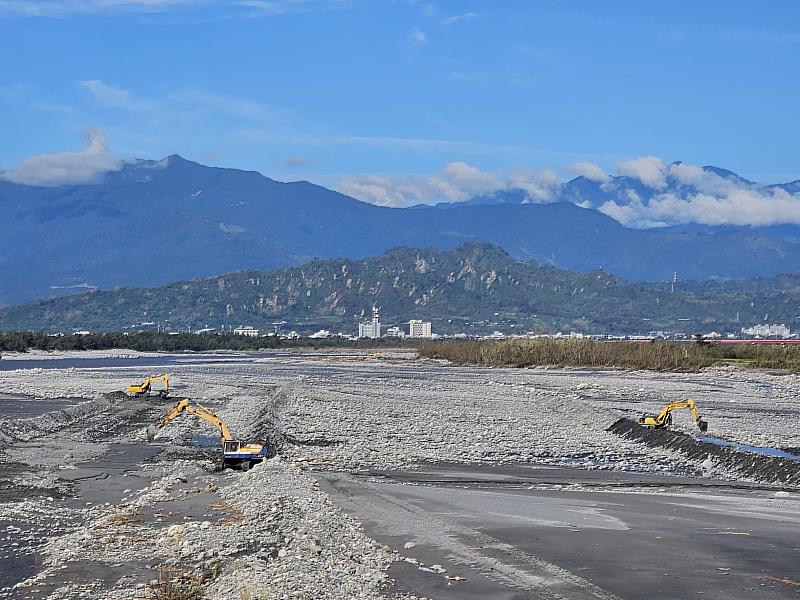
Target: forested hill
[(475, 288)]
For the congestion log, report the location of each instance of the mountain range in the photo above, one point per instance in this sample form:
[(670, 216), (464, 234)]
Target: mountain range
[(676, 179), (152, 222), (475, 288)]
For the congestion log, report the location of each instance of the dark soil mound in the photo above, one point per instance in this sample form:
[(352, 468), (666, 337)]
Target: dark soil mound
[(765, 469)]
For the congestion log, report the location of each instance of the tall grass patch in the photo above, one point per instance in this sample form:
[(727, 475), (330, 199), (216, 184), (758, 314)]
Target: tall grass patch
[(656, 356)]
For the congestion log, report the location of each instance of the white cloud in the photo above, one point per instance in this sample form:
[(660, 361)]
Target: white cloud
[(651, 171), (470, 180), (65, 168), (700, 196), (694, 195), (540, 186), (743, 205), (702, 180), (418, 36), (115, 97), (457, 18), (383, 190), (633, 196), (689, 174), (458, 181), (590, 171), (630, 215)]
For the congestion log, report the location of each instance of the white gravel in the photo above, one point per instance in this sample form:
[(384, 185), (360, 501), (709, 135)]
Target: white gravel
[(282, 538), (77, 354)]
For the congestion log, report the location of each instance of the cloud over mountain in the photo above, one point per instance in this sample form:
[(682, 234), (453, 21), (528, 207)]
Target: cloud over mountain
[(590, 171), (646, 192), (647, 169), (64, 168), (457, 182), (680, 193)]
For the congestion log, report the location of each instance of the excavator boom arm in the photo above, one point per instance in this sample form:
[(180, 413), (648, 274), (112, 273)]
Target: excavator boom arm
[(662, 418), (234, 452), (664, 414), (174, 412), (195, 409), (202, 412)]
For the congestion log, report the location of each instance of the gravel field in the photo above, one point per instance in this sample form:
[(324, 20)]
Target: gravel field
[(82, 354), (99, 513)]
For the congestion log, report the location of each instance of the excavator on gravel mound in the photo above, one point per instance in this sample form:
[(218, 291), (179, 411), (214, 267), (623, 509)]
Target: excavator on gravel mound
[(143, 388), (234, 452), (664, 418)]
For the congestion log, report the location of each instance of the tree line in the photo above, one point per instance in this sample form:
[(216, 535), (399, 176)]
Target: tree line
[(22, 341)]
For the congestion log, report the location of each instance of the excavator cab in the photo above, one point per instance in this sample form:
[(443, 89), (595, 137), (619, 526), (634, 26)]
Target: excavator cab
[(231, 446)]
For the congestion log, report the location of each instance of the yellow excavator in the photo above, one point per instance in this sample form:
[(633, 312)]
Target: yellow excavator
[(234, 452), (664, 418), (143, 388)]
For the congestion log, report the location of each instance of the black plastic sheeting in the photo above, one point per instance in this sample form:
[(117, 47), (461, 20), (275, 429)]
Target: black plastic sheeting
[(749, 465)]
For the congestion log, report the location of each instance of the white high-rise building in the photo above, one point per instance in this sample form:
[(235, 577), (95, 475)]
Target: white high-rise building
[(371, 329), (419, 329)]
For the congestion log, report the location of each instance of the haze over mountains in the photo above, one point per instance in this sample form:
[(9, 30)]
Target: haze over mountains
[(153, 222)]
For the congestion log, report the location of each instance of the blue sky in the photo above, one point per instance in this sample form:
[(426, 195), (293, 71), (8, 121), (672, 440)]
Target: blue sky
[(371, 91)]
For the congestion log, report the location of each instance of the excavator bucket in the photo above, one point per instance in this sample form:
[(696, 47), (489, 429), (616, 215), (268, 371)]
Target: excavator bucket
[(151, 433), (703, 425)]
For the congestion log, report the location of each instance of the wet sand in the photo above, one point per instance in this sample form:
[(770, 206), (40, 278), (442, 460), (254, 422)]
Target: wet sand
[(518, 532)]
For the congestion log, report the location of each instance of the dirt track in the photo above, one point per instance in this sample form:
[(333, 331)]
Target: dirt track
[(124, 508)]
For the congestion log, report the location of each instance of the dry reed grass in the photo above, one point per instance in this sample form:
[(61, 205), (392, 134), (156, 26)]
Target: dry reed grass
[(656, 356)]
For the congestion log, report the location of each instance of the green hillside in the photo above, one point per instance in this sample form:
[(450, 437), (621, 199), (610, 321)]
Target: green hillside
[(475, 288)]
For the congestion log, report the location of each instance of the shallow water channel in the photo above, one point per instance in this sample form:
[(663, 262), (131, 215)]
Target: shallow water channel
[(774, 452)]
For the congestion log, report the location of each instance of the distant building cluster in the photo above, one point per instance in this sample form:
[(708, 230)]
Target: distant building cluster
[(371, 329), (767, 331)]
